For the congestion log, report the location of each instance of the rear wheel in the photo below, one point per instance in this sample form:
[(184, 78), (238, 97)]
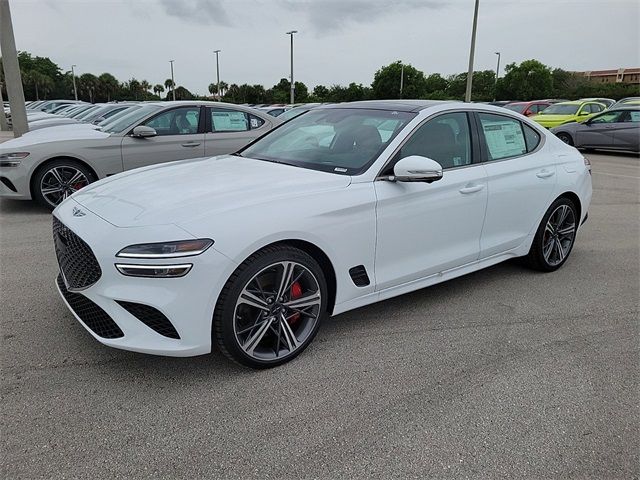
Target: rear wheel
[(555, 237), (56, 180), (566, 138), (271, 308)]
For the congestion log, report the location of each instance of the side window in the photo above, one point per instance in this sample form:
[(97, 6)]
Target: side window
[(531, 137), (608, 117), (595, 107), (226, 120), (503, 136), (255, 122), (445, 139), (633, 116), (585, 108), (178, 121)]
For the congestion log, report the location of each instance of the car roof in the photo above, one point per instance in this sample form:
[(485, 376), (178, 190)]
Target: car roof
[(395, 105)]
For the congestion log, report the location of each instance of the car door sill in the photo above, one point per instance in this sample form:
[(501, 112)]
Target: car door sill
[(423, 282)]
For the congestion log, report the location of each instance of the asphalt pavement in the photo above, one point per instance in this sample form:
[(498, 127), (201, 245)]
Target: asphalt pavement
[(504, 373)]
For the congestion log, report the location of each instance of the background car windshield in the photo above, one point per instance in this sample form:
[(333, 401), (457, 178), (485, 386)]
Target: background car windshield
[(558, 109), (126, 121), (339, 140)]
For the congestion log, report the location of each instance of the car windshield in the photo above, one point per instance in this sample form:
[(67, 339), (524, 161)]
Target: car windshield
[(560, 109), (117, 125), (77, 112), (118, 115), (516, 107), (88, 112), (338, 140)]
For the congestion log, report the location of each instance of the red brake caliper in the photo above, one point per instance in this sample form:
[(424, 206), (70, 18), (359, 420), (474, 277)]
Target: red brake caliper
[(296, 292)]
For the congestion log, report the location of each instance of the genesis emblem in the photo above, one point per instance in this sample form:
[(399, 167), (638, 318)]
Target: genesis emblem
[(77, 212)]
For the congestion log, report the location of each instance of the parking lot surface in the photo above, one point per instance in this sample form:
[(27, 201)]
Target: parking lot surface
[(504, 373)]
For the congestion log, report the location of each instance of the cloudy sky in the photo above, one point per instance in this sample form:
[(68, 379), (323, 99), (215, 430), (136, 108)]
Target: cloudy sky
[(339, 41)]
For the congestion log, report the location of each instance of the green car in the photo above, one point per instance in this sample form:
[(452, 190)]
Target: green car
[(567, 112)]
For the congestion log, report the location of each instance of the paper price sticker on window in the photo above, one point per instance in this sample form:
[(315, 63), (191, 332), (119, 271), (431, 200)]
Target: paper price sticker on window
[(504, 138)]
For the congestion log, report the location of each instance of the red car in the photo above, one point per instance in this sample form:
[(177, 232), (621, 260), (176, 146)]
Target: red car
[(528, 108)]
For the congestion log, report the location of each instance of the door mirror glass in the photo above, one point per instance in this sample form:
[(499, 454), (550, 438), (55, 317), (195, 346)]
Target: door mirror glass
[(142, 131), (584, 112), (415, 168)]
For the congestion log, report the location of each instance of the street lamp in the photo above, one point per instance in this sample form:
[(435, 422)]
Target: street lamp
[(467, 96), (291, 33), (218, 71), (497, 73), (173, 83), (73, 75)]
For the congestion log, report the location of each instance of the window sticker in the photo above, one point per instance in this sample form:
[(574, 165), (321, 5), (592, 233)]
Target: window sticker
[(228, 121), (504, 138), (635, 116), (254, 123)]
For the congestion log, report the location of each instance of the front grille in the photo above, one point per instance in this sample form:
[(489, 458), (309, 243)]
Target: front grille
[(151, 317), (77, 262), (91, 314)]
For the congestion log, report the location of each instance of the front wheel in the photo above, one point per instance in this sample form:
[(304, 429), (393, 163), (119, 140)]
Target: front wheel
[(271, 308), (566, 138), (58, 179), (555, 237)]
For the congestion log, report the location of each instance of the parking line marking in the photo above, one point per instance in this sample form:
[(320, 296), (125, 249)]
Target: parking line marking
[(616, 175)]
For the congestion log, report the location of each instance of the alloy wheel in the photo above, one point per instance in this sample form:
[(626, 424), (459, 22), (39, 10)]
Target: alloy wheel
[(60, 182), (277, 311), (559, 234)]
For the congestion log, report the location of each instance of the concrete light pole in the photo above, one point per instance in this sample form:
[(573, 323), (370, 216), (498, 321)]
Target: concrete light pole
[(12, 76), (3, 118), (293, 86), (497, 73), (467, 97), (73, 76), (173, 83), (217, 52)]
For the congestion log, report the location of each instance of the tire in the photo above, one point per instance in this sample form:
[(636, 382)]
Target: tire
[(566, 138), (65, 175), (252, 325), (553, 243)]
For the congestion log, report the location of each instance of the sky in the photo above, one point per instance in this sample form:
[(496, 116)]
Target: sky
[(339, 41)]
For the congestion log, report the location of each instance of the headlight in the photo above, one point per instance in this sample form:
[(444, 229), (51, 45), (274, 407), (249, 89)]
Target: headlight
[(154, 271), (181, 248), (12, 159)]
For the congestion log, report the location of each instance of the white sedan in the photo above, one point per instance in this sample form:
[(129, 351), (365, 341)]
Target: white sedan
[(343, 206)]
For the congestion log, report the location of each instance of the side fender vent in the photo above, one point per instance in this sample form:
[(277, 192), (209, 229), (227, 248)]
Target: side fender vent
[(359, 276)]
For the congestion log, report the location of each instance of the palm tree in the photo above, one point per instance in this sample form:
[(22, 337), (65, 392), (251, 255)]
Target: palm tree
[(107, 86), (146, 86), (158, 89), (213, 88), (168, 83), (42, 83)]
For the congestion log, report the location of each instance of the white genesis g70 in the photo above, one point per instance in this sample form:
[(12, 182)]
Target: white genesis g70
[(343, 206)]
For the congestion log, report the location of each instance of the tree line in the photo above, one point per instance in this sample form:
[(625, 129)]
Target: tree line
[(42, 79)]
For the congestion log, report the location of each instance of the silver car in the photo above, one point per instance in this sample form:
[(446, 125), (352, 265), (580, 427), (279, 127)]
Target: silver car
[(50, 164), (617, 129)]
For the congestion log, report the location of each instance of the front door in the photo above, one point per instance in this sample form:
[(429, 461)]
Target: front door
[(228, 130), (599, 130), (427, 228), (179, 136)]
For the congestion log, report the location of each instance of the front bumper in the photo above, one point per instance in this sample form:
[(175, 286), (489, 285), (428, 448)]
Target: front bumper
[(14, 183), (187, 302)]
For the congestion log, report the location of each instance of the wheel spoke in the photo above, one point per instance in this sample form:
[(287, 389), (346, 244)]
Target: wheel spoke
[(549, 228), (57, 176), (563, 215), (548, 249), (289, 337), (560, 250), (285, 278), (50, 190), (253, 341), (566, 231), (250, 299), (308, 301), (78, 176)]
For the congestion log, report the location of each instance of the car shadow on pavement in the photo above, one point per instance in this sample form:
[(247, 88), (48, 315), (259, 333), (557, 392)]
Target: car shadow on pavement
[(21, 207)]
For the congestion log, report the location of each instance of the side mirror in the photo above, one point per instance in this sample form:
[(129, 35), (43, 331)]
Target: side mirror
[(415, 168), (584, 112), (98, 120), (142, 131)]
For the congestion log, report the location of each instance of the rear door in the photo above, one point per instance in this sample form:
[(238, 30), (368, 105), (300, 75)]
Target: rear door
[(180, 135), (599, 130), (228, 130), (520, 178)]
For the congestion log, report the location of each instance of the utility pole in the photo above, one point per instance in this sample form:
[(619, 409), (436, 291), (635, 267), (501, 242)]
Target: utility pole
[(12, 74), (218, 72), (401, 78), (173, 83), (467, 97), (293, 86), (73, 75), (497, 73)]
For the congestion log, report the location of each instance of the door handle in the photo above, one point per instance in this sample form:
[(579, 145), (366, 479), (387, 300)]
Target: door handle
[(471, 189), (545, 174), (191, 144)]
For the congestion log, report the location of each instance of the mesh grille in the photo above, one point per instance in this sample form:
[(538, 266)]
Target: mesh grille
[(77, 262), (151, 317), (91, 314)]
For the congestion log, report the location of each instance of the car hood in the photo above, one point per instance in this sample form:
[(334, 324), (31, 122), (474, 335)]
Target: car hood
[(54, 133), (185, 191)]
